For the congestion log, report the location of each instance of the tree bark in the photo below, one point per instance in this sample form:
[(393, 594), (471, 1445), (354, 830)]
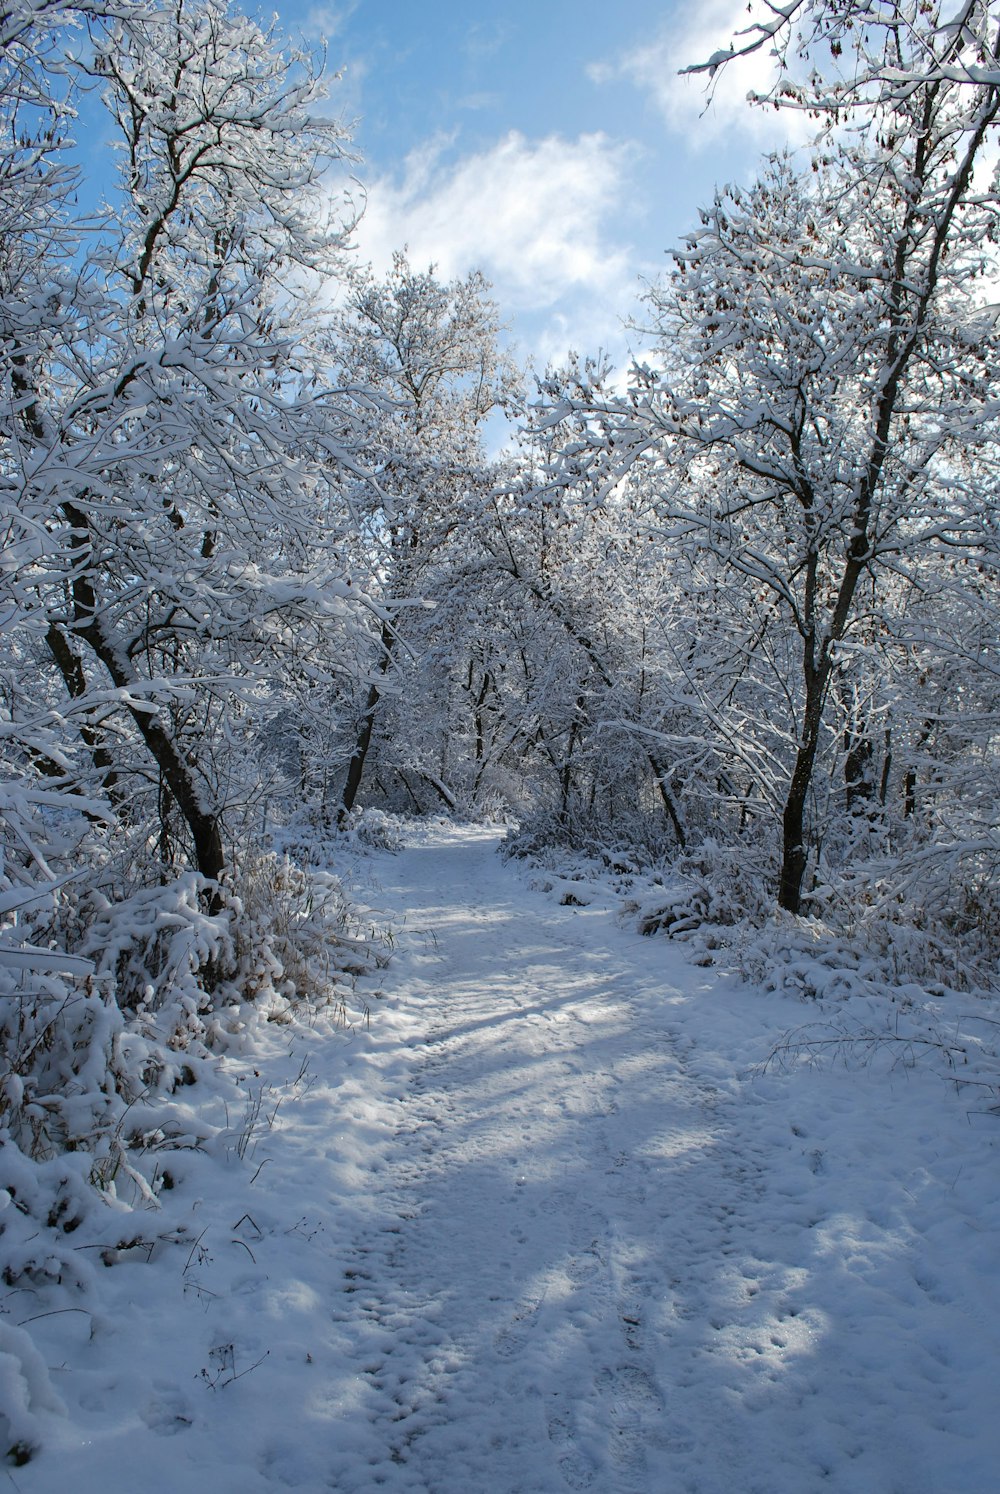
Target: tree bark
[(203, 823), (793, 840), (356, 767)]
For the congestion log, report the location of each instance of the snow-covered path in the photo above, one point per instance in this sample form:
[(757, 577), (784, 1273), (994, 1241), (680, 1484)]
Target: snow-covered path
[(602, 1261), (542, 1229), (506, 1311)]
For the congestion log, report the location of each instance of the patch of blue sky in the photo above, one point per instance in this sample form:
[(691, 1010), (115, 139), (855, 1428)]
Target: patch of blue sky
[(550, 143)]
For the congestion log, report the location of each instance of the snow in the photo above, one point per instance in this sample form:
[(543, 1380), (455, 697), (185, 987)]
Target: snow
[(546, 1223)]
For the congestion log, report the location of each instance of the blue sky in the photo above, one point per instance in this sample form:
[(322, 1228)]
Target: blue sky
[(549, 143)]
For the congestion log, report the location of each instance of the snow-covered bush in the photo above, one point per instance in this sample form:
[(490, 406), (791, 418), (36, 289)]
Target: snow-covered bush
[(372, 829), (627, 842), (930, 915), (92, 1065), (158, 950), (295, 934), (61, 1067), (25, 1389), (115, 1006), (713, 885)]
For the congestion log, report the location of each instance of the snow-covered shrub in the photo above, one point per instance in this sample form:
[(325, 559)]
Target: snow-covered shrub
[(312, 838), (931, 914), (545, 835), (86, 1107), (25, 1389), (58, 1078), (92, 1066), (158, 947), (294, 931), (712, 885), (307, 836), (283, 932), (807, 958), (98, 1070), (531, 839), (372, 829), (871, 927)]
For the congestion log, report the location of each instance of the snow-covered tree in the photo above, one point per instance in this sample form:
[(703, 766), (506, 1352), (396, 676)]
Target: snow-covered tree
[(566, 588), (836, 359), (168, 430), (825, 422), (857, 51), (428, 357), (173, 445)]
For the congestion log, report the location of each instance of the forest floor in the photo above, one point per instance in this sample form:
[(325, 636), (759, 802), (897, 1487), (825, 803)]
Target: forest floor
[(551, 1221)]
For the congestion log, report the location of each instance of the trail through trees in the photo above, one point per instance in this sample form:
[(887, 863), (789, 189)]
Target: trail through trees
[(544, 1225), (599, 1257)]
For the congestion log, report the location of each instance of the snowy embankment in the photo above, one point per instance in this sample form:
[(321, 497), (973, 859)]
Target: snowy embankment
[(544, 1225)]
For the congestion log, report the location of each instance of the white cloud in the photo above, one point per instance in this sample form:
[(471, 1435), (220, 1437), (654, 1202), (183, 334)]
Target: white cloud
[(326, 21), (706, 111), (530, 214), (536, 216)]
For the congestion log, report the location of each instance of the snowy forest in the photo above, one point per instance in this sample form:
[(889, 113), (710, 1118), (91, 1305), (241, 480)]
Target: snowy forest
[(722, 624)]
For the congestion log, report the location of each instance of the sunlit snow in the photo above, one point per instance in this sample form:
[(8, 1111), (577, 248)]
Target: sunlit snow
[(543, 1225)]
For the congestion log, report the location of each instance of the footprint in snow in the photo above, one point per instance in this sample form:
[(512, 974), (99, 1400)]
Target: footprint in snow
[(513, 1338), (167, 1411), (576, 1468), (632, 1396)]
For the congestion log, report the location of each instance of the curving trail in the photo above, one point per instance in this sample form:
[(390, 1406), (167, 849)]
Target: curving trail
[(542, 1227), (602, 1260)]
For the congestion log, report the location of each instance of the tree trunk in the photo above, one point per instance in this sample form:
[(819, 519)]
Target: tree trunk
[(69, 664), (793, 844), (793, 850), (660, 774), (859, 753), (356, 766), (566, 771), (203, 823)]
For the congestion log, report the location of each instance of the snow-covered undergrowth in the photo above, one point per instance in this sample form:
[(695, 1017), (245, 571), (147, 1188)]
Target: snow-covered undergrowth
[(112, 1065), (885, 983), (570, 1213), (312, 838)]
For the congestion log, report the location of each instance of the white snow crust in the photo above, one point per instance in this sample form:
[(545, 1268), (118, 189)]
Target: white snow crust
[(544, 1225)]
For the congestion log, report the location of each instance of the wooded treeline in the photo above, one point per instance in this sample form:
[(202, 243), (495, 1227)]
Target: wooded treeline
[(736, 608)]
